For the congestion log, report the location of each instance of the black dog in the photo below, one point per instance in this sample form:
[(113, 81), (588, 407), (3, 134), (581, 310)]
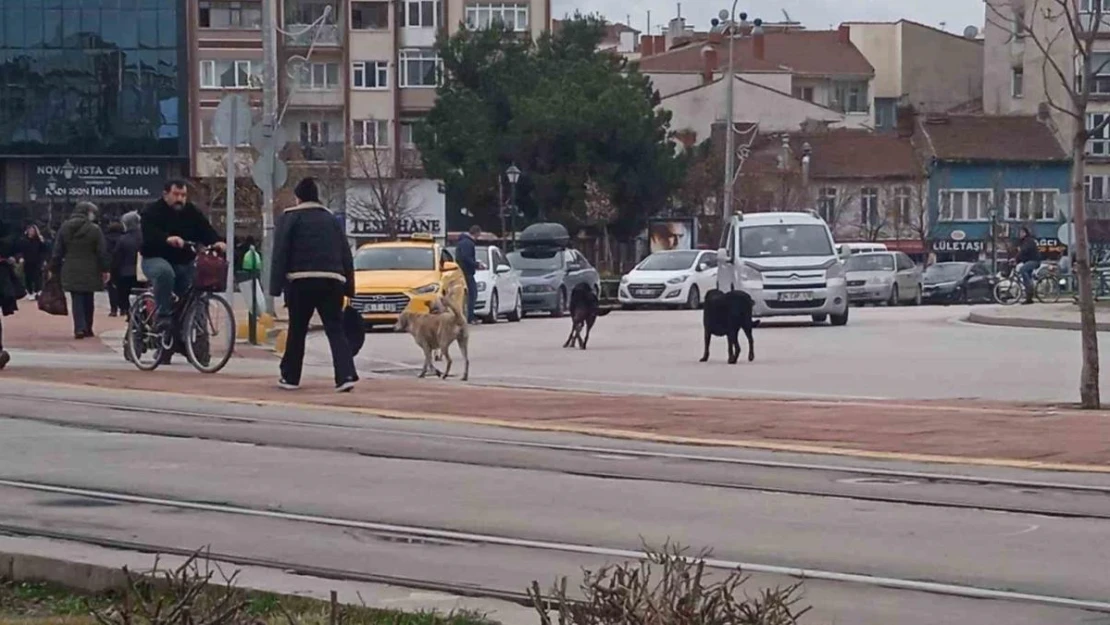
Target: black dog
[(584, 311), (725, 314)]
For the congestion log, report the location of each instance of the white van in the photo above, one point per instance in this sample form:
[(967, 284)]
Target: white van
[(846, 249), (788, 263)]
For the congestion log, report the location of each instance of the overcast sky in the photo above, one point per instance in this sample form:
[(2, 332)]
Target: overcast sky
[(814, 14)]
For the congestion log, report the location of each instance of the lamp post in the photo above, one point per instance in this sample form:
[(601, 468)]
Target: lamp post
[(992, 214), (513, 176), (52, 187), (730, 87), (67, 172)]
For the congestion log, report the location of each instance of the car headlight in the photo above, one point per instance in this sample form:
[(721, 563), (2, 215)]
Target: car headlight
[(750, 274), (677, 280), (481, 286), (427, 288), (624, 279), (882, 279), (835, 271)]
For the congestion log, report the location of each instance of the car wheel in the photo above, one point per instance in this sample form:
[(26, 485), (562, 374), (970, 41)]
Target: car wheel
[(840, 320), (517, 313), (561, 304), (820, 318), (920, 294), (693, 300), (893, 301), (494, 305)]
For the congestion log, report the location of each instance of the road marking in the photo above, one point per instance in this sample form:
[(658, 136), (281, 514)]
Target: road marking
[(505, 541), (764, 445)]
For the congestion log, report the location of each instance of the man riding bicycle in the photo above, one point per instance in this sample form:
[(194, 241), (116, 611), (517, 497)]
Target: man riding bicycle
[(167, 261), (1028, 260)]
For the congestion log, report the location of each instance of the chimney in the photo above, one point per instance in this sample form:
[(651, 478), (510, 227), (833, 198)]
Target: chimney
[(759, 45), (716, 36), (661, 44), (844, 34), (905, 120), (646, 46), (710, 64)]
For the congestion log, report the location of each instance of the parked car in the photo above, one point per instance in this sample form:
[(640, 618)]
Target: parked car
[(883, 277), (549, 270), (672, 278), (499, 287), (845, 250), (958, 283), (394, 276)]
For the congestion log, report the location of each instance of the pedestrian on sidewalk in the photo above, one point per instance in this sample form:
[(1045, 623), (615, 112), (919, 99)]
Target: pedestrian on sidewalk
[(32, 249), (81, 259), (466, 255), (313, 267), (125, 260), (112, 236), (9, 291)]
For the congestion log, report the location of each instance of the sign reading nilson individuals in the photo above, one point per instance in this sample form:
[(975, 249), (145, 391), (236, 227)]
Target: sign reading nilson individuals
[(97, 179), (420, 209)]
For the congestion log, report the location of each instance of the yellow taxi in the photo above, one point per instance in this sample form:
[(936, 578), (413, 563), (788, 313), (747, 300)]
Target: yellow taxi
[(395, 276)]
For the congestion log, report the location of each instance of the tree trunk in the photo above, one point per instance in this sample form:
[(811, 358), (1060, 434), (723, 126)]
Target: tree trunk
[(1088, 378)]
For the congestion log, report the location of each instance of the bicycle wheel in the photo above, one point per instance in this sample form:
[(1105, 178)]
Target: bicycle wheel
[(209, 333), (144, 340), (1008, 292), (1047, 290)]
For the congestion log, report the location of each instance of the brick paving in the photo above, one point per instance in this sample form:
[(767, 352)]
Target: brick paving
[(1046, 434)]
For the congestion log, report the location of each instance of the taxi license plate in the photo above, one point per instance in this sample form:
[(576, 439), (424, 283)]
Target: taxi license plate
[(795, 296), (377, 308)]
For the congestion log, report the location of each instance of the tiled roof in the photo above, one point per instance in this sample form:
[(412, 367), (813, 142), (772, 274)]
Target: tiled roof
[(992, 138), (837, 154), (817, 52)]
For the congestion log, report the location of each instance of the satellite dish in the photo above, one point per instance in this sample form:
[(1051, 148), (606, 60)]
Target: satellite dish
[(724, 14), (971, 32)]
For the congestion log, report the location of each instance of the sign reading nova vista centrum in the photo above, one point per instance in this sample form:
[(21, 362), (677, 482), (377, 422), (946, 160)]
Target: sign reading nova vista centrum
[(97, 178)]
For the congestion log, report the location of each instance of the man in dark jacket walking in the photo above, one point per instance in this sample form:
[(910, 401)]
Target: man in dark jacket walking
[(312, 265), (1029, 259), (81, 258), (467, 259), (167, 263)]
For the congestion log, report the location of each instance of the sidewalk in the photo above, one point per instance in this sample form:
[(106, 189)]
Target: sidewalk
[(986, 433), (1061, 316)]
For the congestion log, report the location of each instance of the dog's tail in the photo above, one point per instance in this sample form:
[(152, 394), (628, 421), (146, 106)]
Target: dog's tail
[(449, 299), (601, 312)]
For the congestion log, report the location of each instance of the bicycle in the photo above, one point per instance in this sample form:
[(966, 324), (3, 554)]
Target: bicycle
[(192, 326), (1010, 288)]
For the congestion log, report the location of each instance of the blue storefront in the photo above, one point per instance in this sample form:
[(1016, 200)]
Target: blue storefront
[(982, 191)]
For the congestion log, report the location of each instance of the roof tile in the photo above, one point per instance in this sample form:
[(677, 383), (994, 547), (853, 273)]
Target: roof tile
[(994, 138), (816, 52)]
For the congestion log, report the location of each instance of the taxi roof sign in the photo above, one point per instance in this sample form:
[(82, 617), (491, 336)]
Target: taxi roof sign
[(422, 236)]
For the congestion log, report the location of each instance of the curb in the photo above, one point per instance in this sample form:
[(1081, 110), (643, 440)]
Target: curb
[(79, 576), (1023, 322)]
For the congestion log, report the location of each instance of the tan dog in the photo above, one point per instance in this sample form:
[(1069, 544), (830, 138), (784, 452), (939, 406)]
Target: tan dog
[(434, 332)]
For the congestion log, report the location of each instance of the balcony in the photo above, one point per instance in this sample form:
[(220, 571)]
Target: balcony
[(329, 35), (321, 153), (301, 14)]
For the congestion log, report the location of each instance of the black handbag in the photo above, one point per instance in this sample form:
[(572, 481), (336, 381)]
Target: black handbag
[(354, 328)]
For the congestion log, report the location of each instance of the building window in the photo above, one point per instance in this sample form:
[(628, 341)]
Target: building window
[(314, 133), (226, 75), (371, 133), (804, 93), (964, 205), (1098, 187), (317, 76), (408, 135), (239, 15), (826, 204), (369, 15), (512, 16), (903, 205), (1100, 73), (1031, 204), (304, 12), (851, 97), (1099, 143), (370, 75), (208, 135), (869, 207), (421, 13), (1019, 23), (1017, 82), (419, 68)]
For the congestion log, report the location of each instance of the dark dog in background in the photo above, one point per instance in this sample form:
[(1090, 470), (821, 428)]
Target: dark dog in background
[(585, 308), (726, 314)]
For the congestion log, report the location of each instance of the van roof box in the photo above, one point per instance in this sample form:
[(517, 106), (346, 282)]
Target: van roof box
[(545, 234)]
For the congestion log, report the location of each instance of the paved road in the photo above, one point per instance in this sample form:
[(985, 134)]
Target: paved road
[(338, 465), (905, 353)]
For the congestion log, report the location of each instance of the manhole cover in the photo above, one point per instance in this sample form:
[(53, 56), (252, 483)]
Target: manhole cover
[(876, 480)]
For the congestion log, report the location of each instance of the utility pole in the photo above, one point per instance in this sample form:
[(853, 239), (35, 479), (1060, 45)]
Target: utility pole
[(270, 121)]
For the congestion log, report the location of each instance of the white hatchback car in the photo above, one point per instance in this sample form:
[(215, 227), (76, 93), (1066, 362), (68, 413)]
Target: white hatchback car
[(498, 286), (672, 278)]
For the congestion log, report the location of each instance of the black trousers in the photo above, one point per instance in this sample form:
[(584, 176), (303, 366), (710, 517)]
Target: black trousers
[(82, 309), (305, 297), (125, 286), (32, 278)]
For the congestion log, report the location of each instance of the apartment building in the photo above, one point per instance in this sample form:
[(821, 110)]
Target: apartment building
[(350, 90)]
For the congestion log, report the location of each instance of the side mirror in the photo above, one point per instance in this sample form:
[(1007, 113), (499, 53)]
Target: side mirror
[(450, 266), (503, 269), (701, 267), (722, 256)]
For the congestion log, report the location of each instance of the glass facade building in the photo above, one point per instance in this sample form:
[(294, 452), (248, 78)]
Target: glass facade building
[(93, 78)]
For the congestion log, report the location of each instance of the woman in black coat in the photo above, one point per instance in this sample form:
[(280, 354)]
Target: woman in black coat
[(31, 249), (9, 291)]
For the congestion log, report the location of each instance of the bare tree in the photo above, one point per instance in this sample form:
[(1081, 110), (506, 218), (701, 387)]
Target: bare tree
[(600, 212), (211, 191), (833, 205), (390, 200), (1066, 39)]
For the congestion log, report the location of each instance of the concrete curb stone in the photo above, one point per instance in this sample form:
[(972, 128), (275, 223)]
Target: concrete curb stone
[(1025, 322)]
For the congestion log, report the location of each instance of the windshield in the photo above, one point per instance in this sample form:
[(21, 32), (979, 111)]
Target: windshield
[(785, 240), (537, 259), (384, 258), (869, 262), (945, 272), (668, 261)]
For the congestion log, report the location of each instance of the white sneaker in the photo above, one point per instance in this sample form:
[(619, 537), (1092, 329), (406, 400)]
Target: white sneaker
[(286, 386), (345, 387)]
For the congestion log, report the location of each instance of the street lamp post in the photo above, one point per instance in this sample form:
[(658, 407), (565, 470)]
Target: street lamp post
[(730, 87), (67, 172), (992, 214), (513, 175)]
